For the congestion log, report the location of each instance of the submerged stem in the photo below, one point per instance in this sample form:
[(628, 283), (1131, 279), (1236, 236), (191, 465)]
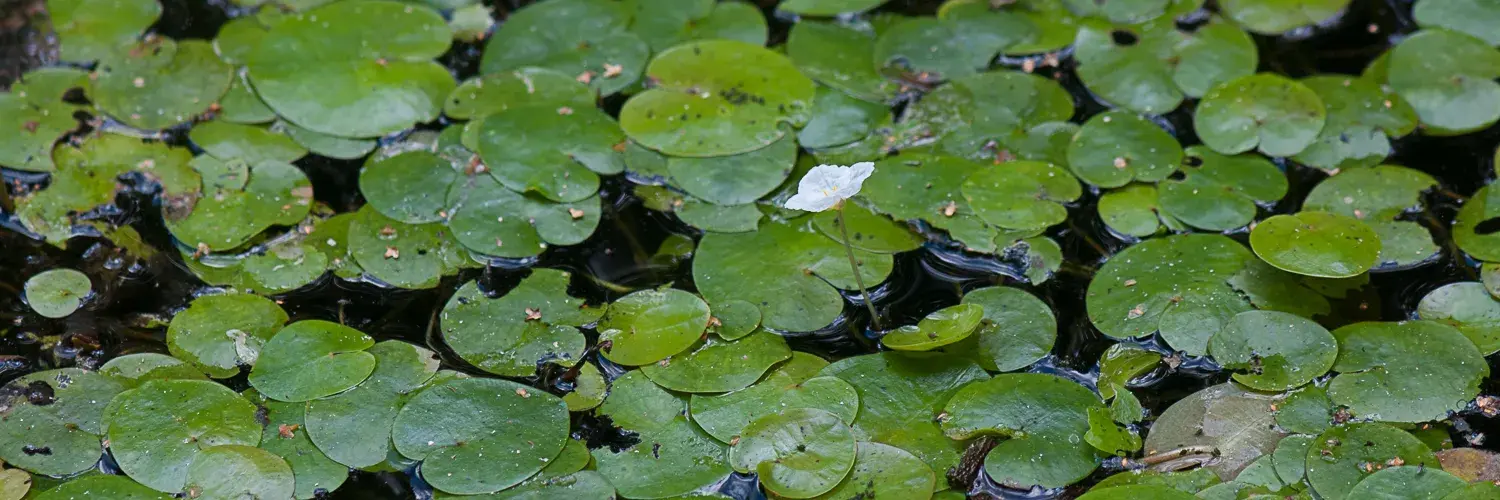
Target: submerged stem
[(854, 266)]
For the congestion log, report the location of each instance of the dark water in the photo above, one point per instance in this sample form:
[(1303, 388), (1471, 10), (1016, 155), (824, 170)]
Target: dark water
[(136, 293)]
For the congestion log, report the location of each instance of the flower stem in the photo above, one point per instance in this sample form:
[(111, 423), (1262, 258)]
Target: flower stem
[(854, 266)]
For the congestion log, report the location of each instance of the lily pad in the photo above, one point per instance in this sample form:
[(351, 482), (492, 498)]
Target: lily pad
[(52, 420), (285, 437), (1226, 421), (792, 384), (931, 50), (1021, 195), (311, 359), (828, 7), (1468, 307), (1114, 148), (797, 453), (1466, 234), (901, 395), (104, 486), (1279, 116), (354, 428), (554, 151), (496, 92), (1407, 481), (1122, 363), (1273, 351), (941, 327), (967, 115), (531, 324), (1381, 196), (400, 254), (452, 426), (1041, 419), (277, 194), (651, 325), (35, 112), (1175, 285), (1275, 17), (1150, 68), (1218, 192), (1473, 17), (145, 366), (1449, 78), (409, 187), (220, 333), (359, 69), (1361, 118), (884, 471), (488, 219), (98, 29), (332, 146), (229, 141), (672, 458), (574, 37), (663, 24), (157, 430), (85, 180), (239, 471), (717, 97), (1343, 456), (1319, 244), (1133, 210), (1137, 492), (841, 57), (717, 365), (868, 230), (589, 390), (56, 293), (1412, 371), (786, 269), (161, 83)]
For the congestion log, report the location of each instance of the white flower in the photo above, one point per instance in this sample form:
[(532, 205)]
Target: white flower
[(827, 185)]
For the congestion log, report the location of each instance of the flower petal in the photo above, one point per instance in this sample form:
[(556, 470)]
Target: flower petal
[(856, 179), (811, 202)]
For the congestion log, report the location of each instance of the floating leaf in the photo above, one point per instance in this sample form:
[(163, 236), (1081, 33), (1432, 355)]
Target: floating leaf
[(1218, 192), (161, 83), (332, 146), (797, 453), (740, 94), (531, 324), (157, 430), (735, 179), (941, 327), (489, 219), (792, 289), (285, 437), (885, 471), (1473, 17), (868, 231), (1279, 116), (1150, 68), (1466, 234), (1122, 363), (451, 426), (554, 151), (145, 366), (672, 458), (410, 187), (663, 24), (1104, 434), (239, 471), (103, 486), (36, 115), (496, 92), (85, 179), (1137, 492), (652, 325), (220, 333), (1381, 196), (828, 7), (404, 255), (1468, 307), (841, 57), (901, 395), (927, 49), (1306, 411), (1360, 117), (354, 427), (311, 359), (1343, 456), (1412, 371), (98, 29), (359, 69), (1042, 420), (717, 365), (1224, 421), (1320, 244), (278, 194), (52, 420), (574, 37), (1408, 481), (1133, 210), (588, 391), (56, 293), (981, 115), (1449, 78), (229, 141), (1273, 351), (790, 385), (1021, 195), (1274, 17), (1175, 285), (1114, 148)]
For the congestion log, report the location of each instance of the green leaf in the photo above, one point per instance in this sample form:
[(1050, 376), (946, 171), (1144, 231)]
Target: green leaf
[(792, 384), (1273, 351), (1042, 420), (554, 151), (1021, 195), (1476, 210), (1279, 116), (1320, 244), (980, 115), (1343, 456), (403, 255), (220, 333), (1234, 422), (742, 93), (1122, 363), (827, 7), (1412, 371), (102, 486), (52, 420), (717, 365), (1382, 196), (354, 428), (1017, 328), (1449, 78), (941, 327), (841, 57), (588, 391), (157, 430), (901, 395), (1151, 67), (88, 30), (1175, 285), (1407, 481), (798, 453), (1274, 17), (56, 293), (37, 116), (1114, 148), (868, 230), (239, 471), (496, 92), (229, 141), (1133, 210), (451, 426), (672, 458), (735, 179), (663, 24), (311, 359), (1137, 492), (499, 336), (409, 187), (358, 69), (789, 272), (651, 325), (1468, 307), (1306, 411), (1360, 117), (332, 146), (161, 83), (574, 37), (85, 179), (1473, 17), (284, 436), (143, 366), (1107, 436), (884, 471), (1220, 193), (277, 194), (488, 219)]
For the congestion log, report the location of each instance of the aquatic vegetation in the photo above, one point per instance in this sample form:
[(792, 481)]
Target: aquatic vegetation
[(1123, 249)]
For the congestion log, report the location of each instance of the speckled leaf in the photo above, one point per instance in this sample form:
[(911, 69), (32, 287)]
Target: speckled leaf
[(1280, 117), (452, 426), (1449, 78), (51, 420), (868, 231), (399, 254), (797, 453), (939, 328), (56, 293), (311, 359), (1041, 419), (664, 23), (790, 385), (1175, 285), (220, 333), (1360, 117), (496, 92), (239, 471), (354, 427), (841, 57), (651, 325), (1114, 148), (103, 486), (96, 29), (1474, 17), (500, 336), (672, 458), (36, 116), (1381, 196), (1235, 422), (158, 429), (574, 37), (1412, 371), (1468, 307), (1017, 329), (717, 365), (223, 219), (555, 151), (1320, 244), (1274, 17), (252, 144), (1342, 456), (1021, 195), (1218, 192), (143, 366), (1273, 351), (161, 83), (735, 179)]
